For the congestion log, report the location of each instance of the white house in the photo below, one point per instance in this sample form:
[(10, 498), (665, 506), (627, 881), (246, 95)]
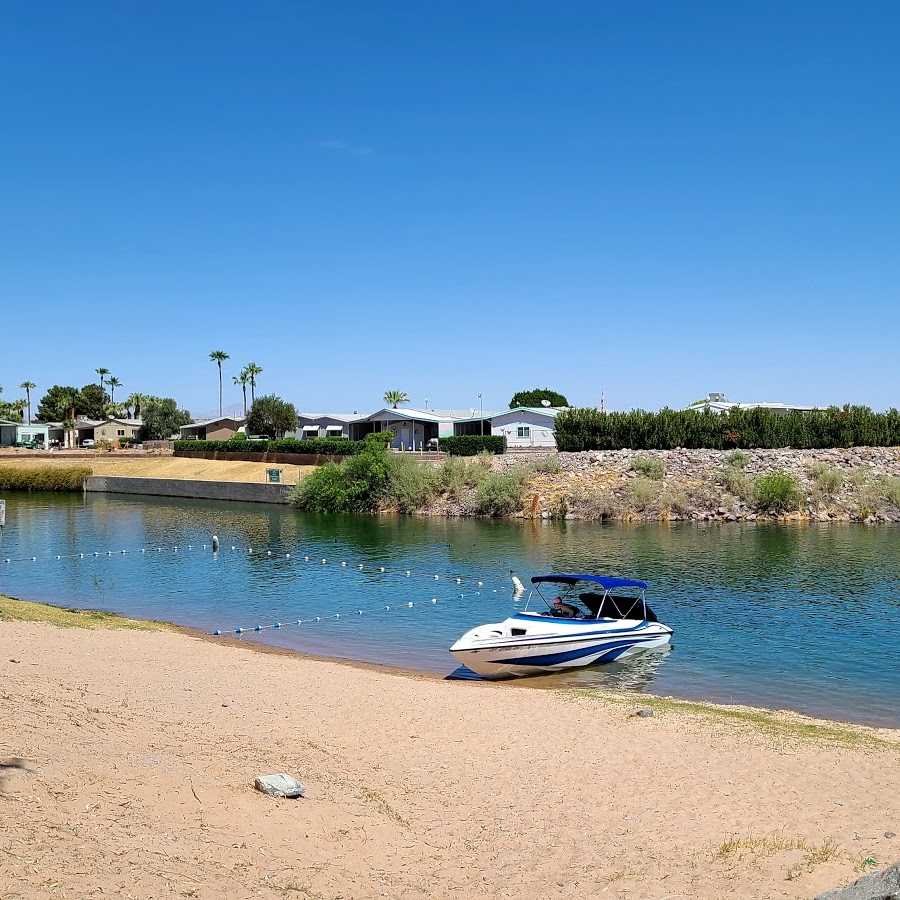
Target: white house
[(323, 425), (718, 403), (44, 433), (414, 428), (527, 426)]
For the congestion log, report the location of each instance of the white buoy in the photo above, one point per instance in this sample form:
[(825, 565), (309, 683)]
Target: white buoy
[(215, 544), (518, 587)]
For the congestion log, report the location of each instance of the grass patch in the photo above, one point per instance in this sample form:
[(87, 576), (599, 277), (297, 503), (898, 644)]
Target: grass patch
[(654, 469), (643, 493), (736, 482), (827, 479), (459, 473), (546, 465), (889, 488), (772, 723), (764, 847), (383, 806), (737, 459), (12, 610)]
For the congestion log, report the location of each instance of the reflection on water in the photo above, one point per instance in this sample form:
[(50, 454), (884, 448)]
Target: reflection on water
[(798, 617)]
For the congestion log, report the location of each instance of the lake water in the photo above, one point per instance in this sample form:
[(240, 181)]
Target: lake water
[(804, 618)]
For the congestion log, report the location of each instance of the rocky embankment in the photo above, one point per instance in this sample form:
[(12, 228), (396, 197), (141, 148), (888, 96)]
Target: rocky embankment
[(859, 484)]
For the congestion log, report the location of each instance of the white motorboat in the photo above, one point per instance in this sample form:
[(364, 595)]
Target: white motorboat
[(593, 619)]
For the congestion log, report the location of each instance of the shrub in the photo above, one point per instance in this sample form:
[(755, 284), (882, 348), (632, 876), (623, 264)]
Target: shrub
[(889, 488), (317, 446), (673, 499), (643, 493), (735, 481), (472, 444), (654, 469), (828, 479), (43, 478), (357, 484), (546, 465), (849, 426), (737, 459), (500, 494), (412, 484), (458, 473), (384, 437), (323, 490), (602, 505), (776, 491)]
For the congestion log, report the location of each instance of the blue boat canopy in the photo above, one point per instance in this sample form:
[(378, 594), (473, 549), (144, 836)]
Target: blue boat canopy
[(603, 580)]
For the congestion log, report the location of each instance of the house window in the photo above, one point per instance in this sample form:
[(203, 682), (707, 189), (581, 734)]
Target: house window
[(120, 432), (523, 431)]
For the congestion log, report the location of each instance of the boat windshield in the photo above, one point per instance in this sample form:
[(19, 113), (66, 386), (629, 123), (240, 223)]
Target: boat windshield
[(588, 600)]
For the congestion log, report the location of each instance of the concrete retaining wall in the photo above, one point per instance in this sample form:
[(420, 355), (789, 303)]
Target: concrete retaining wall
[(248, 492)]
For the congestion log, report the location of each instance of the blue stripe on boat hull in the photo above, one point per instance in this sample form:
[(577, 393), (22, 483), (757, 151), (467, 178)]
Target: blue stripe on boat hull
[(553, 659)]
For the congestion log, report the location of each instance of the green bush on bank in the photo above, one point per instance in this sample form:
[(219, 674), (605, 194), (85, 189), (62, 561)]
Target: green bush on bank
[(472, 444), (43, 478), (357, 484), (458, 473), (501, 493), (777, 492), (849, 426), (318, 446)]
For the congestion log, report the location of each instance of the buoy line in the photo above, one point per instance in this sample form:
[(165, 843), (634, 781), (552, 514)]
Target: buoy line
[(350, 565), (345, 615)]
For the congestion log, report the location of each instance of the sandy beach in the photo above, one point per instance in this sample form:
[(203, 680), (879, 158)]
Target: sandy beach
[(129, 759)]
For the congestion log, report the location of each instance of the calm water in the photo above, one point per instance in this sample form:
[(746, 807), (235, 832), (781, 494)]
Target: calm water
[(803, 618)]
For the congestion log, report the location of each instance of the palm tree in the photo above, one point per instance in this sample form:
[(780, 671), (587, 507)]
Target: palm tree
[(113, 383), (102, 373), (27, 386), (243, 380), (218, 357), (67, 401), (18, 407), (252, 370), (395, 398), (134, 405)]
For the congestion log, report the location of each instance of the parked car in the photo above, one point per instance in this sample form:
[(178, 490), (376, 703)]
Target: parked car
[(88, 444), (259, 437)]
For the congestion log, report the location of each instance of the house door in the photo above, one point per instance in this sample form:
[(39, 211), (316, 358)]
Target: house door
[(404, 437)]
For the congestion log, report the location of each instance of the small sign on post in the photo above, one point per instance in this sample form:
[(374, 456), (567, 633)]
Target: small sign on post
[(273, 476)]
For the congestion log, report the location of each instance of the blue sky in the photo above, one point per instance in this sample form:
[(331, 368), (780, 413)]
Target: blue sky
[(652, 199)]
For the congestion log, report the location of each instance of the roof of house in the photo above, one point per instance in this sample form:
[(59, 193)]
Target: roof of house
[(725, 406), (550, 412), (432, 415), (340, 417), (96, 423), (205, 422)]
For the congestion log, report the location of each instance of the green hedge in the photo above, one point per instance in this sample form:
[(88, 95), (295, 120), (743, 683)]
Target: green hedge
[(850, 426), (320, 446), (43, 478), (472, 444)]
